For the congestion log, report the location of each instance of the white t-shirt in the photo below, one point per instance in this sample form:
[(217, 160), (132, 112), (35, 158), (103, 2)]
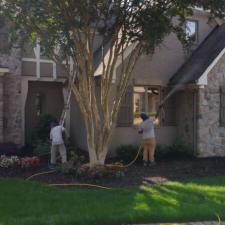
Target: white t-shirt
[(56, 135), (147, 127)]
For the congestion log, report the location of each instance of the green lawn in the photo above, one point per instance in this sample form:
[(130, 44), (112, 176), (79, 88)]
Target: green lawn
[(30, 203)]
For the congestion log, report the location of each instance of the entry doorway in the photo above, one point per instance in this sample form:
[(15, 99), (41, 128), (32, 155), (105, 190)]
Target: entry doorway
[(42, 98)]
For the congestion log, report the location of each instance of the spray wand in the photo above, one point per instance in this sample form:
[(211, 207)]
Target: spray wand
[(164, 101)]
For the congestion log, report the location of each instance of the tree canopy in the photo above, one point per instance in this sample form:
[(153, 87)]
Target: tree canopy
[(146, 21)]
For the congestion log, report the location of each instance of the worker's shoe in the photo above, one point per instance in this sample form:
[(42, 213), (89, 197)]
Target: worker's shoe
[(151, 163), (145, 163), (52, 166)]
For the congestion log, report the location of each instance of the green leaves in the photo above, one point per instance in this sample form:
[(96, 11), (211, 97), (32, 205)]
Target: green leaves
[(146, 21)]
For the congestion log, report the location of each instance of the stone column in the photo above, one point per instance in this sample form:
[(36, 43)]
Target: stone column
[(1, 107)]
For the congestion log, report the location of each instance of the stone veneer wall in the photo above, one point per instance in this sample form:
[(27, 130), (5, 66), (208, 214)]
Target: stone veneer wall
[(12, 115), (211, 136), (185, 117), (1, 108)]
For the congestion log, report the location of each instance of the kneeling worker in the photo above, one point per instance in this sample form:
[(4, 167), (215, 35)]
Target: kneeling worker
[(56, 135)]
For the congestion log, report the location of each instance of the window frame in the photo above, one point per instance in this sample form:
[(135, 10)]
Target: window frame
[(196, 29), (120, 123), (131, 92), (146, 99), (167, 107)]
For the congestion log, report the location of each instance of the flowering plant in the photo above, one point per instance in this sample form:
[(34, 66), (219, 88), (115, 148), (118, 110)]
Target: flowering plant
[(14, 161), (11, 161), (27, 162)]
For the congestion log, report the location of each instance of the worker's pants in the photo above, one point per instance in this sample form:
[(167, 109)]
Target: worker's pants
[(149, 149), (62, 150)]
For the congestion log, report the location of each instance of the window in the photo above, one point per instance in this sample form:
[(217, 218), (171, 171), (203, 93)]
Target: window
[(125, 114), (146, 99), (38, 104), (191, 30)]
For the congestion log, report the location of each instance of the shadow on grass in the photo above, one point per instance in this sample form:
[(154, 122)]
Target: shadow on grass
[(193, 200)]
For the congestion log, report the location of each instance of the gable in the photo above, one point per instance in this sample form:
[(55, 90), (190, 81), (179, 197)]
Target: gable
[(203, 58)]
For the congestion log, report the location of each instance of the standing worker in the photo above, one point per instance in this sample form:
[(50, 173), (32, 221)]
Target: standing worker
[(148, 136), (56, 136)]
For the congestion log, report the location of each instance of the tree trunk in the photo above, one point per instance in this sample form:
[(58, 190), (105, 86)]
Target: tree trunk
[(98, 148)]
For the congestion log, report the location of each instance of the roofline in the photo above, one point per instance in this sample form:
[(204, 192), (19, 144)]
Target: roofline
[(203, 78), (127, 52)]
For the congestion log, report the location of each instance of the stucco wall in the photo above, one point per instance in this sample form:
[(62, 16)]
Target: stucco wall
[(129, 135), (168, 58), (77, 127), (211, 135)]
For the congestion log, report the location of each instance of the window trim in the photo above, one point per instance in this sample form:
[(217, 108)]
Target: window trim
[(170, 124), (146, 101), (119, 124), (196, 29)]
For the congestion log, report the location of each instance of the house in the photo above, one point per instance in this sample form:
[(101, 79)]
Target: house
[(31, 85)]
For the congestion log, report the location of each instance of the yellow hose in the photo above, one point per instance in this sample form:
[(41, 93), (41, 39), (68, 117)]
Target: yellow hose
[(67, 184), (127, 165), (38, 174), (80, 184)]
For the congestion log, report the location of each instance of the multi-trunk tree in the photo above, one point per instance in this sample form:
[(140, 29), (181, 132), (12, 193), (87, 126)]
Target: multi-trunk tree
[(122, 30)]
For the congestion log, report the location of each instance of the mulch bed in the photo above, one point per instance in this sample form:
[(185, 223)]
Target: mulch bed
[(164, 170)]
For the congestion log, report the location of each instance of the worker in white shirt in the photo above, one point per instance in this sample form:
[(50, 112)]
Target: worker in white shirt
[(56, 136)]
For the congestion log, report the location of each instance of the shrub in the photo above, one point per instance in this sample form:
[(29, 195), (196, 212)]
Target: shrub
[(67, 168), (178, 149), (39, 138), (42, 148), (75, 159), (43, 127), (85, 172), (127, 153), (76, 154), (161, 151), (181, 149)]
